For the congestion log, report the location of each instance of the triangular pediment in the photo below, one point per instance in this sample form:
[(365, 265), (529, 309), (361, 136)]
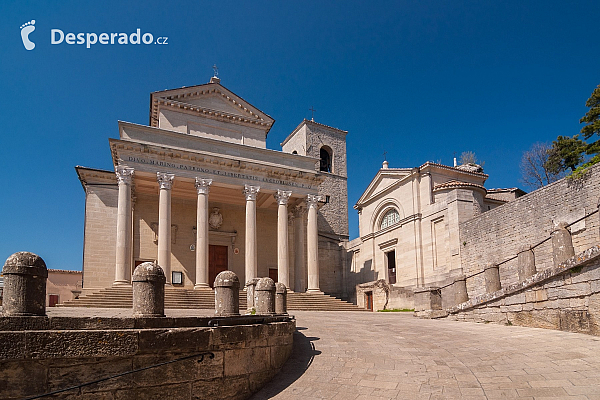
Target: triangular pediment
[(211, 100), (385, 181)]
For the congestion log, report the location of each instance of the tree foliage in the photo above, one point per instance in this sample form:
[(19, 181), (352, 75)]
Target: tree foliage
[(534, 173), (565, 154), (592, 117)]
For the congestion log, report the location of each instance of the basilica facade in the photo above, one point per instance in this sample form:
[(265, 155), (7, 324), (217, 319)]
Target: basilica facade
[(198, 192)]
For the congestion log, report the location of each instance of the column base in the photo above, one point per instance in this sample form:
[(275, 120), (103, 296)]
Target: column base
[(314, 291), (121, 283), (202, 286)]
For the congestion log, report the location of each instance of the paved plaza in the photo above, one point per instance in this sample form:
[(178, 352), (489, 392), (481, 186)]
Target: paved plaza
[(358, 355)]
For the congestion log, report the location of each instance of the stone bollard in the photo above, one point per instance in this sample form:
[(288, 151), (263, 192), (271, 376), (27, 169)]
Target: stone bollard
[(562, 245), (148, 282), (280, 298), (264, 298), (526, 262), (25, 277), (460, 290), (491, 274), (227, 294), (250, 292)]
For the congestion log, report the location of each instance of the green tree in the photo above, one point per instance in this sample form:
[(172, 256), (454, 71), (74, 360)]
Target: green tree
[(592, 117), (566, 153)]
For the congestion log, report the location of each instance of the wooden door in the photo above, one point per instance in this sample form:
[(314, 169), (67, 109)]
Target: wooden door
[(369, 300), (391, 261), (217, 262), (52, 300), (273, 274)]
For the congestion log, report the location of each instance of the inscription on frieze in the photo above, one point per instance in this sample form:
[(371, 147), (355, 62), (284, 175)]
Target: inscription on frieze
[(228, 174)]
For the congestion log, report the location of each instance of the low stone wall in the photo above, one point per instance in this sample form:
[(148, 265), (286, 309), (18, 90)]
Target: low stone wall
[(565, 297), (385, 296), (496, 236), (41, 354)]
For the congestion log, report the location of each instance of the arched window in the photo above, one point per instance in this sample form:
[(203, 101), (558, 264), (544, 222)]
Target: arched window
[(325, 155), (390, 218)]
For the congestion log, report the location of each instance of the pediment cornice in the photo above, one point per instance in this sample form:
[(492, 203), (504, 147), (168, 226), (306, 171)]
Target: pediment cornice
[(181, 101)]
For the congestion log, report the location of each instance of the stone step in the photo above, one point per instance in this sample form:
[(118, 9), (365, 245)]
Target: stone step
[(121, 297)]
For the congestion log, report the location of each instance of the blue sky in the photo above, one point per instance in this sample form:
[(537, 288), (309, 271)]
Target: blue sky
[(422, 80)]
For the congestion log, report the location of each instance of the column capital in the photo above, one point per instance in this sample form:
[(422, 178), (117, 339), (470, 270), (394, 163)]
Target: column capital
[(312, 200), (203, 185), (250, 192), (165, 180), (124, 174), (282, 196)]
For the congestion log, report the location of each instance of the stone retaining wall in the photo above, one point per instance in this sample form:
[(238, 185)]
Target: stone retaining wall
[(40, 355), (566, 297), (496, 235)]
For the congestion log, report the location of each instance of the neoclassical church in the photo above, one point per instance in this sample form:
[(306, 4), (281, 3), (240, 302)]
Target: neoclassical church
[(409, 224), (197, 191)]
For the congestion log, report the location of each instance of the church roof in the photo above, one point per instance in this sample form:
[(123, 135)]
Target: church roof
[(189, 99), (458, 185), (311, 122)]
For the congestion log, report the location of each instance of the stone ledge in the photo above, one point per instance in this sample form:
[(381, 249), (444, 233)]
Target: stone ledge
[(579, 260)]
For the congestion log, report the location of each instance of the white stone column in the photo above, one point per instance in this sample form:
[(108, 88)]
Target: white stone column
[(124, 223), (165, 183), (283, 263), (202, 187), (312, 240), (251, 255), (299, 250)]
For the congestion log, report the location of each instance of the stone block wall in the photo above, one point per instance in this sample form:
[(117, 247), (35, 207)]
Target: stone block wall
[(100, 236), (566, 297), (496, 235), (385, 296), (39, 361)]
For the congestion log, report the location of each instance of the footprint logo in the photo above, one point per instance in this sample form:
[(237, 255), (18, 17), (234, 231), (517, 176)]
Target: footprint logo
[(26, 29)]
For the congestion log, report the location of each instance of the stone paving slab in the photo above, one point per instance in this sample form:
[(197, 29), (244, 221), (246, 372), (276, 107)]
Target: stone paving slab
[(358, 355)]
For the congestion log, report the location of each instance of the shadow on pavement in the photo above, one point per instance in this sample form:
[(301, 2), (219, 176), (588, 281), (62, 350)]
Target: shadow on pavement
[(302, 356)]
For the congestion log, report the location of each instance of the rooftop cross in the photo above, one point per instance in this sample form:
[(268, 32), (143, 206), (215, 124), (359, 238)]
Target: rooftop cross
[(384, 155), (216, 70), (312, 116)]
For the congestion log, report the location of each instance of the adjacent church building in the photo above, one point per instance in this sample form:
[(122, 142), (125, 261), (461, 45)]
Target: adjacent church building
[(409, 226), (198, 192)]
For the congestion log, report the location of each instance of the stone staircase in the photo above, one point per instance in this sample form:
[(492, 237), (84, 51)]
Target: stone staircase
[(121, 297)]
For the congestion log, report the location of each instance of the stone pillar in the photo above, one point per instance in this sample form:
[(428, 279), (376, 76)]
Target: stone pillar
[(562, 244), (312, 238), (460, 290), (299, 250), (251, 255), (25, 277), (264, 298), (124, 220), (148, 290), (227, 294), (165, 182), (280, 298), (283, 264), (250, 292), (526, 262), (202, 187), (491, 274)]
